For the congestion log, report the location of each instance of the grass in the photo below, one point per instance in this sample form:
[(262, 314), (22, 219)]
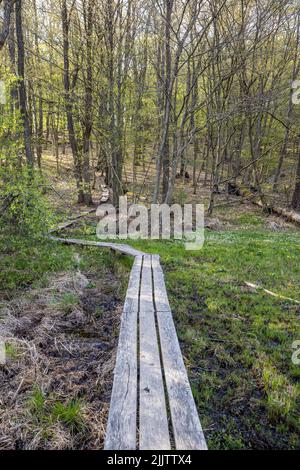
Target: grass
[(237, 342), (58, 416), (25, 262), (37, 402), (47, 411), (70, 414), (11, 351), (68, 301)]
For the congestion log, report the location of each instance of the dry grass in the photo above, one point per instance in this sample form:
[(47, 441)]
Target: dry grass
[(60, 343)]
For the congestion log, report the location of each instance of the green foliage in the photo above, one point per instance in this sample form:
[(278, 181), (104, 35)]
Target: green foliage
[(37, 402), (46, 411), (25, 209), (24, 262), (68, 301), (70, 414), (23, 206), (237, 341)]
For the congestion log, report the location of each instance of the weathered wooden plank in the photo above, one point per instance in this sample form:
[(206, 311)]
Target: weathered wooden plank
[(187, 429), (146, 296), (153, 432), (122, 420), (125, 249), (132, 295), (160, 291)]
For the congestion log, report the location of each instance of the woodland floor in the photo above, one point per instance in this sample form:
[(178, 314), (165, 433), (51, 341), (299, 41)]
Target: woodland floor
[(61, 308), (61, 334)]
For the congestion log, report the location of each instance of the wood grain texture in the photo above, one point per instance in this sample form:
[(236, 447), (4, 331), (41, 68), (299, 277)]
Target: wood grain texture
[(186, 425), (154, 433), (124, 249), (122, 420), (146, 295), (145, 301), (160, 291), (132, 300)]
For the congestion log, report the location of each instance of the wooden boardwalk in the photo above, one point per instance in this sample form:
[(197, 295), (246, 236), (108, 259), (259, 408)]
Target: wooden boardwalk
[(152, 406)]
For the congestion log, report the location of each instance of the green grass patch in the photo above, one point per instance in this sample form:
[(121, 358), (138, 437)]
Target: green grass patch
[(46, 411), (25, 262), (68, 301), (237, 342), (37, 402), (70, 414), (12, 351)]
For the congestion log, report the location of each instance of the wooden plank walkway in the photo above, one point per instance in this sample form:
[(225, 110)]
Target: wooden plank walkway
[(153, 429), (164, 414), (152, 406), (124, 393), (119, 248)]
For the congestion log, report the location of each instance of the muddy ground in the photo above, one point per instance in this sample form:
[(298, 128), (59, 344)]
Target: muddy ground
[(61, 343)]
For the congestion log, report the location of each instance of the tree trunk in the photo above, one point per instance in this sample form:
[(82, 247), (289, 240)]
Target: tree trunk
[(69, 103), (39, 104), (88, 121), (4, 32), (22, 88), (168, 57)]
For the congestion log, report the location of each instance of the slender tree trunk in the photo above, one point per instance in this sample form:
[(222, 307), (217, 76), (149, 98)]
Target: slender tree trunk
[(88, 121), (4, 31), (12, 55), (69, 103), (168, 57), (22, 87), (39, 101)]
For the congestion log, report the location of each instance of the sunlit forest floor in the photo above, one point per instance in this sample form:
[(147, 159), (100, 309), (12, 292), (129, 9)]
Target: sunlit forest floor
[(236, 341)]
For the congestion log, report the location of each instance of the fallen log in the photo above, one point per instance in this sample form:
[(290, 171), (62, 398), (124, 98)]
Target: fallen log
[(288, 214), (104, 198)]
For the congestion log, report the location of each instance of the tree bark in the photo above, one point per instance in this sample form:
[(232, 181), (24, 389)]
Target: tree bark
[(4, 32), (22, 87), (168, 57), (69, 104), (39, 118), (88, 119)]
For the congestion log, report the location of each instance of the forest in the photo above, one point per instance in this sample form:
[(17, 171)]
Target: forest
[(164, 102)]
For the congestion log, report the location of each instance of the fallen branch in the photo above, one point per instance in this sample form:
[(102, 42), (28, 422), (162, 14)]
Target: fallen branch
[(255, 286), (104, 198), (71, 222)]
